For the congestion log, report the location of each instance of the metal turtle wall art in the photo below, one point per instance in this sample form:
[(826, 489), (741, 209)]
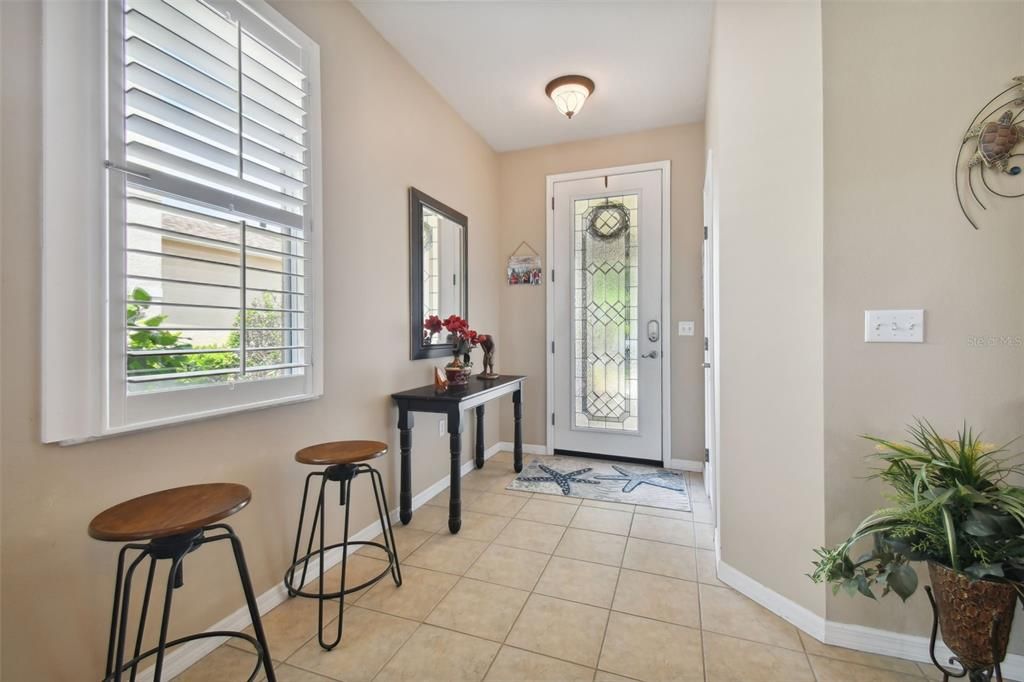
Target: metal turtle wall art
[(992, 151)]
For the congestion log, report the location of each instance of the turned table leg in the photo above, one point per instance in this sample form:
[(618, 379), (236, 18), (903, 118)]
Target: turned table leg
[(517, 413), (455, 444), (405, 423), (479, 436)]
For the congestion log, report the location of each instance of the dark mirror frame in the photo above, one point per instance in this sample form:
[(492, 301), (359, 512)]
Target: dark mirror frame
[(417, 200)]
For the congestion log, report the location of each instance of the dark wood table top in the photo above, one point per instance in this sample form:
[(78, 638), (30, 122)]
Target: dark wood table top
[(457, 394), (341, 452), (169, 512)]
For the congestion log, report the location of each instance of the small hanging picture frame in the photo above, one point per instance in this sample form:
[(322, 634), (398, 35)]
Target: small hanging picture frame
[(525, 268)]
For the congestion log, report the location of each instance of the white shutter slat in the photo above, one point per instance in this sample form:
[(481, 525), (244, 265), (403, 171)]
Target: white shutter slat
[(254, 150), (224, 49), (273, 80), (158, 109), (180, 48), (145, 155), (272, 178), (271, 139), (252, 47), (180, 145), (139, 76), (140, 51), (270, 100)]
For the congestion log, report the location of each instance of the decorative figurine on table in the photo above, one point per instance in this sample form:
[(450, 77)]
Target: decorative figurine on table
[(463, 340), (487, 344), (440, 381)]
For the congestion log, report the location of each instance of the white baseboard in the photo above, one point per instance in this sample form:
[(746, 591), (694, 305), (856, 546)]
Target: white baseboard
[(857, 637), (685, 465), (528, 448), (181, 658)]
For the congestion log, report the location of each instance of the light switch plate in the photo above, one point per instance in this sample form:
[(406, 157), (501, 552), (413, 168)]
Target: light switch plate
[(894, 326), (686, 328)]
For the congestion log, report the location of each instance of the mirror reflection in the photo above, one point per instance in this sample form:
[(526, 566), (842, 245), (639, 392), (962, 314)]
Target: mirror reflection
[(442, 270)]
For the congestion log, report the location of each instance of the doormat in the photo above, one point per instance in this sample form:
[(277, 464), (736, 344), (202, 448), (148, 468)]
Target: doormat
[(593, 479)]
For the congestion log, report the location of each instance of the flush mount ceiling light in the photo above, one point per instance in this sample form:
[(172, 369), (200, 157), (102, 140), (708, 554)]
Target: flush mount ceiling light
[(569, 93)]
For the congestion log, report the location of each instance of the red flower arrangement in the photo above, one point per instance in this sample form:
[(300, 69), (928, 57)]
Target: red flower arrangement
[(464, 339)]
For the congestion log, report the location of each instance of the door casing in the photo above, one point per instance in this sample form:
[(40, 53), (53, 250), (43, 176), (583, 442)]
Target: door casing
[(666, 302)]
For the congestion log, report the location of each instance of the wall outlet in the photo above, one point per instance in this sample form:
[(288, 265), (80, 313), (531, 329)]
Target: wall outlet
[(442, 427), (686, 328), (894, 326)]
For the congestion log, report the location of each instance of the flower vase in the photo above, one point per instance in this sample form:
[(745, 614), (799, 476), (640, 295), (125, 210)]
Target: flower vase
[(457, 373)]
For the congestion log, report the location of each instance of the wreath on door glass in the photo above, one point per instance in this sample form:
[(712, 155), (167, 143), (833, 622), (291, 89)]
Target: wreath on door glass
[(608, 221)]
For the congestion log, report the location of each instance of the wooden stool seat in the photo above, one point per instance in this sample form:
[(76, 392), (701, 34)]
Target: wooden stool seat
[(169, 512), (341, 452)]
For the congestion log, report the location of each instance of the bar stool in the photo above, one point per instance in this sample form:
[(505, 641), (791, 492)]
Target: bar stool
[(344, 461), (174, 523)]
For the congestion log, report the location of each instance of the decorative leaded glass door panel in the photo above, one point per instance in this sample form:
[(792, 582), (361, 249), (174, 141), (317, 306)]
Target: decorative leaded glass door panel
[(607, 351)]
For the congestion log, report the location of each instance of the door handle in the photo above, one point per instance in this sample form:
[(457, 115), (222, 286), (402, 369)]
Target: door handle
[(652, 355), (707, 365), (653, 331)]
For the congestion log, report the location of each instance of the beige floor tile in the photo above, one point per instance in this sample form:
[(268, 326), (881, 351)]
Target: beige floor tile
[(727, 612), (509, 566), (658, 597), (651, 651), (930, 672), (831, 670), (223, 663), (505, 457), (706, 570), (580, 581), (288, 626), (531, 535), (516, 665), (430, 518), (447, 553), (737, 660), (602, 520), (516, 493), (614, 506), (662, 529), (369, 640), (559, 498), (816, 648), (495, 503), (547, 512), (437, 655), (419, 593), (664, 513), (478, 608), (288, 673), (589, 545), (406, 539), (704, 535), (675, 561), (483, 527), (358, 570), (560, 628), (603, 676), (487, 478), (702, 513)]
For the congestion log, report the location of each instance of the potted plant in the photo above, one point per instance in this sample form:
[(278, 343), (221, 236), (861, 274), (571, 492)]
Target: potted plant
[(463, 340), (952, 508)]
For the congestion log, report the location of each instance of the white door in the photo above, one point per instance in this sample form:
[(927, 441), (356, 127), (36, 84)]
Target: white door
[(707, 279), (607, 294)]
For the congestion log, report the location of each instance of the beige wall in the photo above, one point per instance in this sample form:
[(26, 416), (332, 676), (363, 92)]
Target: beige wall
[(764, 126), (384, 129), (521, 348), (902, 82)]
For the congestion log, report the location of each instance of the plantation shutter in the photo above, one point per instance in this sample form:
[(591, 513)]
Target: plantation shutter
[(210, 168)]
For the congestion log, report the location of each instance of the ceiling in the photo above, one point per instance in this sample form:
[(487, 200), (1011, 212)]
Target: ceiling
[(491, 59)]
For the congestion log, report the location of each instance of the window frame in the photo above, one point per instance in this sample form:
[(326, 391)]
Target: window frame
[(84, 391)]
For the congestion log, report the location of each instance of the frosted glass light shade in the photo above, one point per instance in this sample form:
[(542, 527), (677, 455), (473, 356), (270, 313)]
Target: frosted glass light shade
[(570, 93)]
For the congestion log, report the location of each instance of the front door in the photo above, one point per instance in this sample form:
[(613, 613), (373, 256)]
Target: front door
[(607, 294)]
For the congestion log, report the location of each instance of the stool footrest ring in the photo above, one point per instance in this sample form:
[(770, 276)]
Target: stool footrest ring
[(289, 575), (191, 638)]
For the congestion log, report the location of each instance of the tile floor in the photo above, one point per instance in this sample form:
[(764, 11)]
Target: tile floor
[(539, 588)]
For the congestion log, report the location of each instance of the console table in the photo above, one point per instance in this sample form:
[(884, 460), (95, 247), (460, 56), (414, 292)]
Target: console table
[(453, 403)]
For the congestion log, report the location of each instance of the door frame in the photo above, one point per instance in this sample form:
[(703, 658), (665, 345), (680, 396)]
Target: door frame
[(709, 293), (666, 292)]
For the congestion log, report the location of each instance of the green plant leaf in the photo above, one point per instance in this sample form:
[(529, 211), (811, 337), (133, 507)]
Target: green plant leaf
[(902, 580)]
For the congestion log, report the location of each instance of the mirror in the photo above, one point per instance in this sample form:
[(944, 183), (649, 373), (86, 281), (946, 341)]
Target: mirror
[(437, 271)]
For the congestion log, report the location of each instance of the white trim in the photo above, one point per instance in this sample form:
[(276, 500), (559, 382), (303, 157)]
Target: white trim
[(666, 292), (181, 658), (528, 448), (856, 637), (685, 465)]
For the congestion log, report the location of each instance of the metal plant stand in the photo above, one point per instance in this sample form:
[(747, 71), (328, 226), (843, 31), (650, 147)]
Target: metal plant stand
[(988, 674)]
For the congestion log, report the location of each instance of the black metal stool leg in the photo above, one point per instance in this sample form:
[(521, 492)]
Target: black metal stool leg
[(142, 617), (346, 496), (112, 642), (126, 594), (385, 523), (250, 601), (165, 619), (290, 575)]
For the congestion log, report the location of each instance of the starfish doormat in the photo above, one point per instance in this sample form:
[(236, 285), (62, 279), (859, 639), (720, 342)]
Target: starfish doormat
[(602, 480)]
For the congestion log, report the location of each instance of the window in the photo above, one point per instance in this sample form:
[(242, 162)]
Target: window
[(210, 217)]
